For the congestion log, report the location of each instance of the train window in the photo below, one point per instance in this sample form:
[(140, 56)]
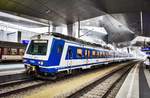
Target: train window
[(21, 51), (6, 51), (102, 54), (106, 54), (38, 47), (97, 54), (70, 53), (79, 53), (0, 51), (93, 53), (13, 51), (88, 53), (60, 49)]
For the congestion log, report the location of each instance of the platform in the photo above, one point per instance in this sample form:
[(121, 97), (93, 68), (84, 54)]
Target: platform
[(137, 83), (10, 69), (11, 66)]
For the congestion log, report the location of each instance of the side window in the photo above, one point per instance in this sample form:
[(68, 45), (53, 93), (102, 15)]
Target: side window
[(105, 54), (108, 54), (0, 51), (70, 53), (21, 51), (5, 51), (60, 49), (102, 54), (79, 53), (93, 53), (13, 51), (98, 54), (88, 53)]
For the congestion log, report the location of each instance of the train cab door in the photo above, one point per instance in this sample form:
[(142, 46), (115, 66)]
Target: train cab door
[(70, 58), (56, 52), (86, 56)]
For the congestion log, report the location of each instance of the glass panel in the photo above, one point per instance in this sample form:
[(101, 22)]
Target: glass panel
[(21, 51), (79, 53), (60, 49), (88, 53), (13, 51), (93, 53), (38, 47)]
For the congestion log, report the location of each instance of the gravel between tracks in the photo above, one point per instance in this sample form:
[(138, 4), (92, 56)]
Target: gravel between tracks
[(101, 88)]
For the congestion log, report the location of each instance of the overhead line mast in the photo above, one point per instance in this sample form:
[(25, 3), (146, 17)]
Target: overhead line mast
[(141, 18)]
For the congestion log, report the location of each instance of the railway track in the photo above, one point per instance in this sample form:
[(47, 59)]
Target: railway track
[(8, 77), (19, 86), (102, 87)]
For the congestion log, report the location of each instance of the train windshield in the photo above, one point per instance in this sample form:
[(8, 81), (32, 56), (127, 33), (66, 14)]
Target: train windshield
[(38, 47)]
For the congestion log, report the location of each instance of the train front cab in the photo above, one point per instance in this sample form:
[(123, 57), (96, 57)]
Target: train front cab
[(45, 57)]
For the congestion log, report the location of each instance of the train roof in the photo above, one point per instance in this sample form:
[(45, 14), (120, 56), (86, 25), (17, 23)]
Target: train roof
[(11, 44), (70, 38)]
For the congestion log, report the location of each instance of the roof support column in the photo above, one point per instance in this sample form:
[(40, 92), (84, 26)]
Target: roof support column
[(79, 28), (54, 28), (70, 29), (19, 36)]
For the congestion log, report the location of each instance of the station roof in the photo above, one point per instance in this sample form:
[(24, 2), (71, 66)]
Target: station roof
[(127, 12)]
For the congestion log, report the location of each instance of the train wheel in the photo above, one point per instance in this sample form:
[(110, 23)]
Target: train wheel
[(51, 77)]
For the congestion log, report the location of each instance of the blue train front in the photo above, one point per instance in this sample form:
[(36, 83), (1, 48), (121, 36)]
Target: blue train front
[(43, 54), (48, 54)]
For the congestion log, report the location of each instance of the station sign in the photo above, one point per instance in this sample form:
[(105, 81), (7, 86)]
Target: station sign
[(25, 42), (145, 49)]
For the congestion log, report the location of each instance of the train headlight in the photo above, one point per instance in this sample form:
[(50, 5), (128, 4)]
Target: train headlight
[(24, 60), (41, 63)]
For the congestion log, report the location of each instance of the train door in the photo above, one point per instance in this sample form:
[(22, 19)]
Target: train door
[(86, 56), (70, 57), (56, 52)]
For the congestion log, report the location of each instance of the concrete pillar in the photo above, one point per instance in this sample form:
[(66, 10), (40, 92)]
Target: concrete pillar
[(19, 36), (70, 29), (54, 28)]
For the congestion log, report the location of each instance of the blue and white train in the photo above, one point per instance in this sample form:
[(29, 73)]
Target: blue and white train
[(51, 53)]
